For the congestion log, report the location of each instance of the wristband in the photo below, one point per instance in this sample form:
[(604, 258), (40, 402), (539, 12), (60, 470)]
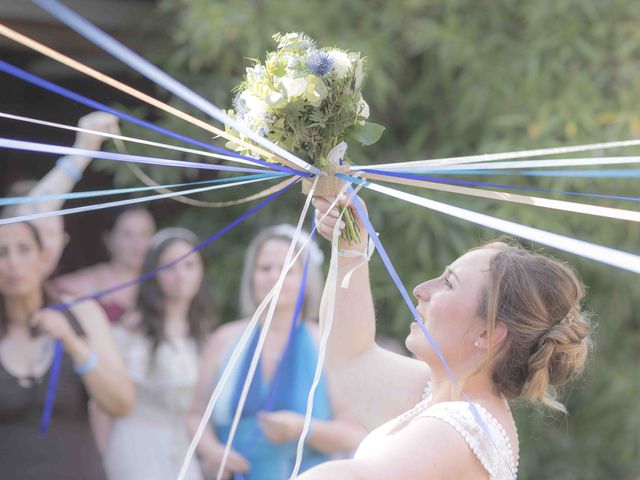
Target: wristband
[(65, 164), (354, 253), (88, 365)]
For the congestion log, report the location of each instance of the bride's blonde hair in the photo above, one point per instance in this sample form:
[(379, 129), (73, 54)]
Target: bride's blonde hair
[(538, 299)]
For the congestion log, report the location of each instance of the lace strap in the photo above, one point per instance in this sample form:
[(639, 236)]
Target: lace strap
[(489, 451)]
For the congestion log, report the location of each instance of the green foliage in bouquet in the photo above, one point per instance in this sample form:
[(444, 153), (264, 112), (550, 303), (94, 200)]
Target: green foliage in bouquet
[(305, 99)]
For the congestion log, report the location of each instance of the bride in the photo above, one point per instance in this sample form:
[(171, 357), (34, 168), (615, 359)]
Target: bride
[(509, 324)]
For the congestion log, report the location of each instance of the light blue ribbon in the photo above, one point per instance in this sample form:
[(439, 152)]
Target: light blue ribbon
[(57, 359), (416, 316), (122, 191), (120, 203)]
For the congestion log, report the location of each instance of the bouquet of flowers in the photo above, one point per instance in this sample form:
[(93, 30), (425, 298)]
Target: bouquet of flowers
[(307, 100)]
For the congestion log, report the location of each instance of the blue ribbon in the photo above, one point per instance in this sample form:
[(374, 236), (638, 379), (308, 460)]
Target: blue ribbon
[(55, 369), (121, 191), (276, 380), (76, 97), (150, 71), (118, 157), (50, 399), (426, 178), (416, 316)]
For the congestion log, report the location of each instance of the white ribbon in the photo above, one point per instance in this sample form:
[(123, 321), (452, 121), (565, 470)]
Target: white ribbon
[(575, 207), (503, 156), (128, 139), (600, 253), (263, 334)]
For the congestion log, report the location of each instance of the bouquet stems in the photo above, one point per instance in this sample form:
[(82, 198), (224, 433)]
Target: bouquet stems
[(351, 232)]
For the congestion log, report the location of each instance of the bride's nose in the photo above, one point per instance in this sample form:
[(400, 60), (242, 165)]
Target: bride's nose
[(423, 291)]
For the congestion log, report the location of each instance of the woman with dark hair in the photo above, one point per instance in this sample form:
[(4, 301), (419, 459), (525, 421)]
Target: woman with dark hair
[(161, 350), (129, 230), (91, 369)]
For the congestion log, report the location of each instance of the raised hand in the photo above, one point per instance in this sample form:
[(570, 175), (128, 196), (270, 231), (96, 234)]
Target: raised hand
[(326, 226), (99, 121)]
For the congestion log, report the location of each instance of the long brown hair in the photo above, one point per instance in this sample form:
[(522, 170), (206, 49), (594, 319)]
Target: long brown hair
[(151, 299)]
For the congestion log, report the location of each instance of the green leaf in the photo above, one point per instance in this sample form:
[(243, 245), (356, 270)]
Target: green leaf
[(366, 134)]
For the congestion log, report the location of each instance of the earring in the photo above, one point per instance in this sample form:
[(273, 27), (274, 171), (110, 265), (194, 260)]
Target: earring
[(476, 343)]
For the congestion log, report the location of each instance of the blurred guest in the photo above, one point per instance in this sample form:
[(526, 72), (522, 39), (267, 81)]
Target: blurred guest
[(127, 238), (160, 348), (272, 421), (91, 368)]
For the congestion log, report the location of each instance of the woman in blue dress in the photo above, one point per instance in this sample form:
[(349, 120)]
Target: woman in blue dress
[(264, 447)]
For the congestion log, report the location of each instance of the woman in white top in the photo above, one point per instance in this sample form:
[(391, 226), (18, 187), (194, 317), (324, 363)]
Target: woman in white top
[(508, 323), (161, 349)]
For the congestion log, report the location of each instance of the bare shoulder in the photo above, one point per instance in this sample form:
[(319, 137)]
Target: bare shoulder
[(427, 445)]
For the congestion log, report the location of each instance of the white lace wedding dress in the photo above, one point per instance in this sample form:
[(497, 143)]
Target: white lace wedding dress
[(486, 438)]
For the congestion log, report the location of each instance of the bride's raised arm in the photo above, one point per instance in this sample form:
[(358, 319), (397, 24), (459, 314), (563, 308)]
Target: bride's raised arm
[(377, 383)]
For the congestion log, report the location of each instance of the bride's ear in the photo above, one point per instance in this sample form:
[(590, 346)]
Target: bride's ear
[(499, 336)]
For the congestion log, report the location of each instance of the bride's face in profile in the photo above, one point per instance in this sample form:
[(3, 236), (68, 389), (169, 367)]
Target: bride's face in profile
[(448, 306)]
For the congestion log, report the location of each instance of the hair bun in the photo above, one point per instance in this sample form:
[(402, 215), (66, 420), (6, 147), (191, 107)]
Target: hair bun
[(561, 351)]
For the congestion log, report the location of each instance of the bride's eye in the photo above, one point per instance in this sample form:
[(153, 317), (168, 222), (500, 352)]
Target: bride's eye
[(447, 283)]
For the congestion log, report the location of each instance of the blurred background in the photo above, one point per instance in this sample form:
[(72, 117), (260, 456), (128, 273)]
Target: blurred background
[(446, 77)]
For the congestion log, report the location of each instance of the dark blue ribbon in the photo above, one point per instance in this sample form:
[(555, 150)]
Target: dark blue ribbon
[(55, 369), (76, 97)]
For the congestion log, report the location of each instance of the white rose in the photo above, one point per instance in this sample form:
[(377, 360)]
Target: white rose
[(341, 63), (254, 104), (294, 86)]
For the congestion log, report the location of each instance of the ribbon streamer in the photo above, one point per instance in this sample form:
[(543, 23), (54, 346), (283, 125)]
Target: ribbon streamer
[(118, 157), (127, 139), (606, 212), (601, 173), (55, 367), (150, 71), (599, 253), (119, 203), (559, 162), (386, 173), (118, 191), (52, 87), (332, 281), (540, 152), (234, 358), (144, 178), (80, 67), (263, 333)]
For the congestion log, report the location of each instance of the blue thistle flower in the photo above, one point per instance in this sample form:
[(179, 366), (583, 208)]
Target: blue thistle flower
[(319, 63)]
